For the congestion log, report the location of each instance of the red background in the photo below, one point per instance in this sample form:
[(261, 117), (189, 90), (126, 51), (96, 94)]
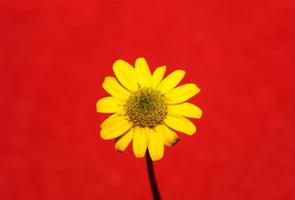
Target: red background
[(55, 55)]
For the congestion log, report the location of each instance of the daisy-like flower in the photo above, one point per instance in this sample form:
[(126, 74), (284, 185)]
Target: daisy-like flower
[(146, 108)]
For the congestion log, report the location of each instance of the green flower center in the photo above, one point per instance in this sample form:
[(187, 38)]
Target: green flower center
[(146, 107)]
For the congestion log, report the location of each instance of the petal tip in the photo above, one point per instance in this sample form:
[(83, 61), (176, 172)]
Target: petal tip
[(102, 135), (140, 59), (98, 106), (193, 131), (119, 150), (182, 72), (197, 89), (201, 113), (175, 142), (139, 155), (118, 64), (156, 158), (107, 78)]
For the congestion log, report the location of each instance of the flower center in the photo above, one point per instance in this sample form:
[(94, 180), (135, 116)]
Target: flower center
[(146, 107)]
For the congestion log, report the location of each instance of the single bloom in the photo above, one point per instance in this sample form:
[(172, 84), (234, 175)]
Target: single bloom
[(147, 109)]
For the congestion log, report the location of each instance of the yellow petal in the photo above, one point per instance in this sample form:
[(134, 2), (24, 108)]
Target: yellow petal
[(112, 119), (110, 105), (143, 72), (140, 141), (158, 76), (155, 146), (180, 124), (114, 126), (186, 110), (114, 88), (182, 93), (171, 81), (126, 74), (164, 140), (123, 142), (169, 136)]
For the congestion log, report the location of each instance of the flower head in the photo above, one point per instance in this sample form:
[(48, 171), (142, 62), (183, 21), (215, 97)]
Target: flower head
[(146, 108)]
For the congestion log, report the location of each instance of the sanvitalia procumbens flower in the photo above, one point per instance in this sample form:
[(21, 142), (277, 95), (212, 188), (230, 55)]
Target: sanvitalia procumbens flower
[(146, 108)]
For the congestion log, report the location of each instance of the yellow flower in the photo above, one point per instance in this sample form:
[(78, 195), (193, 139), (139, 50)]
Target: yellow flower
[(146, 108)]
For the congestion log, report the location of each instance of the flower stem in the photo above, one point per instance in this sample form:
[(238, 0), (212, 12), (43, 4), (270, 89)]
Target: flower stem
[(152, 177)]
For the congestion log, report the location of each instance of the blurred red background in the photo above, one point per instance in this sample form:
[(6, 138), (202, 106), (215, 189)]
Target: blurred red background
[(55, 55)]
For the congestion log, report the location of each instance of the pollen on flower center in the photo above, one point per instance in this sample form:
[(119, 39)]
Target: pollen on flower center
[(146, 107)]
